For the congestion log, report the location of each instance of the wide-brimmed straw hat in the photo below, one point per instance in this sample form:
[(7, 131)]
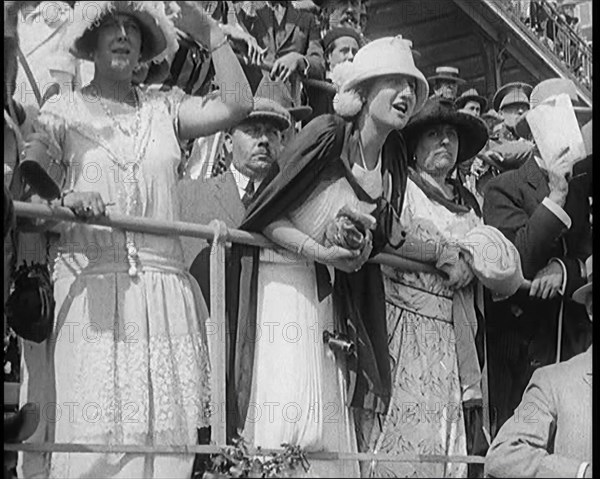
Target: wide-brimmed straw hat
[(387, 56), (450, 74), (544, 91), (470, 95), (511, 94), (273, 101), (158, 32), (580, 293), (472, 132)]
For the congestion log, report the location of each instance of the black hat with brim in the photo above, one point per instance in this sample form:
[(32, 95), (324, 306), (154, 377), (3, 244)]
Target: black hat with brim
[(472, 132), (338, 32), (462, 100)]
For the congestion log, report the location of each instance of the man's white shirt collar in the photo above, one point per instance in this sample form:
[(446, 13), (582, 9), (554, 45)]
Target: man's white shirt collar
[(242, 181)]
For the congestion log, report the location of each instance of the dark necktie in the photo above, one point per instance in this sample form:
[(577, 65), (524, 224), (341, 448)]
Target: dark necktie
[(249, 193)]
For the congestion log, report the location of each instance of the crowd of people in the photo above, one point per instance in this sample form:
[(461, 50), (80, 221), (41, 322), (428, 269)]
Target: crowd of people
[(558, 27), (281, 118)]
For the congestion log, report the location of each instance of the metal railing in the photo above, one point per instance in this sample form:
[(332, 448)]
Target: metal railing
[(219, 235), (556, 35)]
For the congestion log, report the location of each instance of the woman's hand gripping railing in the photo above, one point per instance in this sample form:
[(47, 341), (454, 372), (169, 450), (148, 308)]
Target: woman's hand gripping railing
[(207, 232)]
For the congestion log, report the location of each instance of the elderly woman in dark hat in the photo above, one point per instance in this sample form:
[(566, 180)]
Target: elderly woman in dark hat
[(133, 365), (432, 318)]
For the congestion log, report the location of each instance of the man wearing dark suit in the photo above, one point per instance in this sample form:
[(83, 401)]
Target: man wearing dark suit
[(544, 210), (550, 434), (291, 39)]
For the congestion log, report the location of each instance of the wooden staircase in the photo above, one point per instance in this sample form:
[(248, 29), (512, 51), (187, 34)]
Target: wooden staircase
[(483, 38)]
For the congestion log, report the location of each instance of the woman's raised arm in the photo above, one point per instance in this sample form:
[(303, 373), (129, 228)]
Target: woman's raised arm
[(203, 116)]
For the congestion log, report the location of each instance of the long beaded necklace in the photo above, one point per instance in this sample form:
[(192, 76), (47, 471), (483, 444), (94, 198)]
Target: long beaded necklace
[(131, 196)]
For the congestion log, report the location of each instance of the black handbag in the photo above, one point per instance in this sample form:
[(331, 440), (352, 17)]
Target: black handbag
[(30, 306)]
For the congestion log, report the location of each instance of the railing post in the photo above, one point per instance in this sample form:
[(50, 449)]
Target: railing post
[(217, 337)]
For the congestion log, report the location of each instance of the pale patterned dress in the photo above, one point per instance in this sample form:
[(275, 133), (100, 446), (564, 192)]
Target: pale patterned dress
[(425, 415), (129, 362), (298, 392)]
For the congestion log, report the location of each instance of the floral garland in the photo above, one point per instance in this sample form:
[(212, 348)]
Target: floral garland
[(238, 461)]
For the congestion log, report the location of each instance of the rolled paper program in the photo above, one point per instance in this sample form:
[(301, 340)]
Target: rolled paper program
[(554, 127)]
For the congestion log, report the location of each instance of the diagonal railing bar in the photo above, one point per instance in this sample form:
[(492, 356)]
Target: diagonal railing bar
[(181, 228)]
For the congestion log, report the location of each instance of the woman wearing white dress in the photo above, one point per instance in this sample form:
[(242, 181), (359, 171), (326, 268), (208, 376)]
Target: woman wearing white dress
[(299, 388), (128, 361)]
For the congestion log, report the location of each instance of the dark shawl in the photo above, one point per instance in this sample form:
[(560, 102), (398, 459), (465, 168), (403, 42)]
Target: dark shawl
[(359, 299)]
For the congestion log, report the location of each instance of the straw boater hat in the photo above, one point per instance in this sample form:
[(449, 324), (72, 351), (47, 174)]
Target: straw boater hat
[(510, 94), (472, 132), (446, 74), (544, 91), (387, 56), (470, 95), (580, 293), (159, 39)]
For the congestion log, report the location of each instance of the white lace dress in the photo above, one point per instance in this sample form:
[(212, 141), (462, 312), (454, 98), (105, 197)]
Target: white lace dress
[(129, 363)]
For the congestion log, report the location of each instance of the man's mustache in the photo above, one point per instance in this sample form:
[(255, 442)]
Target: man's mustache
[(264, 151)]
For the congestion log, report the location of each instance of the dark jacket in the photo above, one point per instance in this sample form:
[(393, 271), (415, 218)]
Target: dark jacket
[(522, 332), (298, 32)]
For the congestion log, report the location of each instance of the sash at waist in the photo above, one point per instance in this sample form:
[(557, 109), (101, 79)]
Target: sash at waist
[(419, 301), (70, 264)]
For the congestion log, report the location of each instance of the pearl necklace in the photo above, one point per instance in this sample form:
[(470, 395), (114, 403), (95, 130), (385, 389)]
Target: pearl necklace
[(130, 245), (112, 117)]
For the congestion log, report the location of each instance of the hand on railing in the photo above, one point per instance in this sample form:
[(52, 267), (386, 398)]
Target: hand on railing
[(161, 227)]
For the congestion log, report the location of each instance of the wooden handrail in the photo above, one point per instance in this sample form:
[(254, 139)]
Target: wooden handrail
[(180, 228), (194, 230)]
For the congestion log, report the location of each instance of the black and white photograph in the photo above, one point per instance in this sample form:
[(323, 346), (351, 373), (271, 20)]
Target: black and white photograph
[(313, 238)]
